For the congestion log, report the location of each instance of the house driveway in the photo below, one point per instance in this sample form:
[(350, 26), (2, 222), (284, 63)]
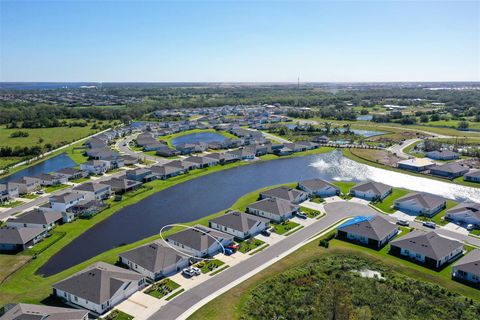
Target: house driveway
[(456, 228)]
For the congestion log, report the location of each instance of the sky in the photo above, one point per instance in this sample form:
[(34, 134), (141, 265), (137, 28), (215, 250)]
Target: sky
[(239, 41)]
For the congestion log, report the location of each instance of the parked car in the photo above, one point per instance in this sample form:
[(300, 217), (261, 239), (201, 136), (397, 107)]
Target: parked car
[(228, 251), (301, 215), (430, 224), (265, 233), (233, 247), (196, 270), (188, 272), (403, 222), (470, 227), (39, 192)]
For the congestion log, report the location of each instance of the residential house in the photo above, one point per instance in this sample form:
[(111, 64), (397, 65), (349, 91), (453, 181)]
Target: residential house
[(155, 260), (223, 157), (36, 219), (187, 148), (95, 143), (420, 203), (465, 213), (52, 179), (167, 152), (240, 225), (285, 193), (87, 208), (24, 311), (141, 175), (449, 170), (18, 239), (94, 190), (165, 171), (472, 176), (202, 162), (416, 164), (318, 187), (122, 185), (371, 190), (200, 241), (95, 166), (72, 173), (99, 287), (442, 155), (428, 248), (183, 165), (372, 231), (25, 185), (243, 154), (8, 192), (468, 268), (64, 201), (321, 139), (274, 209)]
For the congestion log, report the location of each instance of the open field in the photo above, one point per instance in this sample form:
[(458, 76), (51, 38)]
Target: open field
[(386, 205), (26, 286), (234, 300)]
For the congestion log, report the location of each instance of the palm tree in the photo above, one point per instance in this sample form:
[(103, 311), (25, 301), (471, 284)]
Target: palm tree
[(327, 126), (346, 126)]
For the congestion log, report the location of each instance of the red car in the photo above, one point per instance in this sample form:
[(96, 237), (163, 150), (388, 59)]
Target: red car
[(233, 247)]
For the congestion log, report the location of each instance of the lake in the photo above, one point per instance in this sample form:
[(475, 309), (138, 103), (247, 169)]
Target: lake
[(214, 192), (52, 164), (206, 137)]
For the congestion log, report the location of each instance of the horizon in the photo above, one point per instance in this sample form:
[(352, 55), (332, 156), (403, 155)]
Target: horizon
[(240, 42)]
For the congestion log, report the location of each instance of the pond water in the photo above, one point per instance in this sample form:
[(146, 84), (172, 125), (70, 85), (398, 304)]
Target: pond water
[(367, 133), (52, 164), (366, 117), (214, 192), (198, 137)]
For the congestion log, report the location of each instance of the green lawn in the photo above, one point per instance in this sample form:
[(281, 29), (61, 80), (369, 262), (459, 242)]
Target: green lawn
[(118, 315), (250, 245), (438, 218), (284, 227), (55, 188), (386, 205), (310, 212), (29, 196), (209, 265), (80, 180), (344, 186), (162, 288), (45, 243), (11, 204)]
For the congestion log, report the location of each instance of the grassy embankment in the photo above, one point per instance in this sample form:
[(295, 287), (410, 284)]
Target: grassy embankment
[(25, 286), (233, 300)]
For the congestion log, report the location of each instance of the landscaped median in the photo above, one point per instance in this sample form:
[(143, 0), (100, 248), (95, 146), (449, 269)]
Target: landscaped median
[(162, 288)]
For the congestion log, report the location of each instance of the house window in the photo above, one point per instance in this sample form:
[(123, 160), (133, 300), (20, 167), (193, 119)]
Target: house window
[(75, 298)]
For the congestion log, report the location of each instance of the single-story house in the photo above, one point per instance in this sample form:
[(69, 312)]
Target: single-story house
[(72, 173), (420, 203), (183, 165), (472, 176), (223, 157), (122, 185), (141, 175), (283, 151), (318, 187), (371, 190), (155, 260), (449, 170), (285, 193), (416, 164), (243, 154), (99, 287), (309, 145), (18, 239), (167, 152), (202, 162), (94, 190), (428, 248), (239, 225), (442, 155), (187, 148), (274, 209), (24, 311), (468, 268), (36, 219), (95, 166), (155, 146), (200, 241), (465, 212), (321, 139), (372, 231), (25, 184), (165, 171), (64, 201)]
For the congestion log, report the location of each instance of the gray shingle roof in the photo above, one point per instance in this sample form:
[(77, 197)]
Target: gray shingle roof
[(91, 187), (377, 228), (470, 263), (23, 311), (66, 197), (284, 193), (471, 208), (37, 217), (19, 235), (97, 283), (450, 168), (376, 187), (426, 200), (239, 221), (429, 244), (154, 257), (317, 184), (198, 238), (275, 206)]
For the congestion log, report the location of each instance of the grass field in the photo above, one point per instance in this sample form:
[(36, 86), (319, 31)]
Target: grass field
[(26, 286), (250, 245), (386, 205), (233, 300), (344, 186), (284, 227), (162, 288)]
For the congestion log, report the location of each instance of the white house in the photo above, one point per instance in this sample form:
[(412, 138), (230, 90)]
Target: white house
[(99, 287), (371, 190), (36, 219), (468, 268), (94, 190), (285, 193), (66, 200), (318, 187), (239, 225), (465, 212), (95, 166), (420, 203), (274, 209)]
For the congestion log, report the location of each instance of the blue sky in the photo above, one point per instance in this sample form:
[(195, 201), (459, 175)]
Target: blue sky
[(243, 41)]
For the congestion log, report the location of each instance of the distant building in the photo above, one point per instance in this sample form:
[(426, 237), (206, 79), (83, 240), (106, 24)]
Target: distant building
[(449, 170), (416, 164), (442, 155), (472, 176)]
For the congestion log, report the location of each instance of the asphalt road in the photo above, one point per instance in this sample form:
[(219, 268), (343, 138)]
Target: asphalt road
[(189, 301), (398, 148)]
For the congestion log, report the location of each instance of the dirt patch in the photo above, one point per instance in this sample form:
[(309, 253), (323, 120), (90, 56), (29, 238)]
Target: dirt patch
[(378, 156), (11, 263)]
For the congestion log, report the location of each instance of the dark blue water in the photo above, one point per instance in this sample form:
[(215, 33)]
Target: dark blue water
[(55, 163), (184, 202), (198, 137)]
